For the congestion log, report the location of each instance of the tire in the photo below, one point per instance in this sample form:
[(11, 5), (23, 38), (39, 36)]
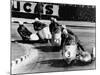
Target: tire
[(68, 53)]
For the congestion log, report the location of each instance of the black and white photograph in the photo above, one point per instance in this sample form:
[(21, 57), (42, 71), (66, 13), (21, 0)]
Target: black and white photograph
[(52, 37)]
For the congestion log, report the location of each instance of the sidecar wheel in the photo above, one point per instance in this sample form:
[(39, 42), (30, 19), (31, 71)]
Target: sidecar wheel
[(85, 57)]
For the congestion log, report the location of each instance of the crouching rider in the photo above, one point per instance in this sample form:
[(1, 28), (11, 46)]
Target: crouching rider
[(55, 29), (41, 29), (25, 34)]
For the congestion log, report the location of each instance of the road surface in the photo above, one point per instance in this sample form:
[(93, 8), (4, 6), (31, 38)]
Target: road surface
[(44, 58)]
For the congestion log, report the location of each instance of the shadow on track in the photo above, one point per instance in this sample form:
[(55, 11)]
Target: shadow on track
[(56, 63), (30, 42), (48, 48), (62, 63)]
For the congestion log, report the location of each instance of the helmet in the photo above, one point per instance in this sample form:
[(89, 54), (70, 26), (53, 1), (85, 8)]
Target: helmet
[(53, 19), (36, 19), (21, 23), (64, 26)]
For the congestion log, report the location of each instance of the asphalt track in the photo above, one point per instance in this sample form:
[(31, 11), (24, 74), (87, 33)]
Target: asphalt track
[(44, 58)]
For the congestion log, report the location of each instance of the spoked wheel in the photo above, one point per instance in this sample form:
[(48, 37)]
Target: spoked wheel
[(85, 57), (69, 53)]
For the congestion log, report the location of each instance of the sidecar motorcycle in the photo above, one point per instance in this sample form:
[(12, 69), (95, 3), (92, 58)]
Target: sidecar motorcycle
[(73, 54)]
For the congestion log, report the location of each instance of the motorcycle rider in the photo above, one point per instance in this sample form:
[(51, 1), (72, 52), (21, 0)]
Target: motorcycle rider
[(41, 29), (68, 35), (25, 34), (55, 29)]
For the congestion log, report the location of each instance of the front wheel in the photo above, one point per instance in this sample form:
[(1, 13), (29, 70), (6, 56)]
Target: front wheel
[(69, 53)]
